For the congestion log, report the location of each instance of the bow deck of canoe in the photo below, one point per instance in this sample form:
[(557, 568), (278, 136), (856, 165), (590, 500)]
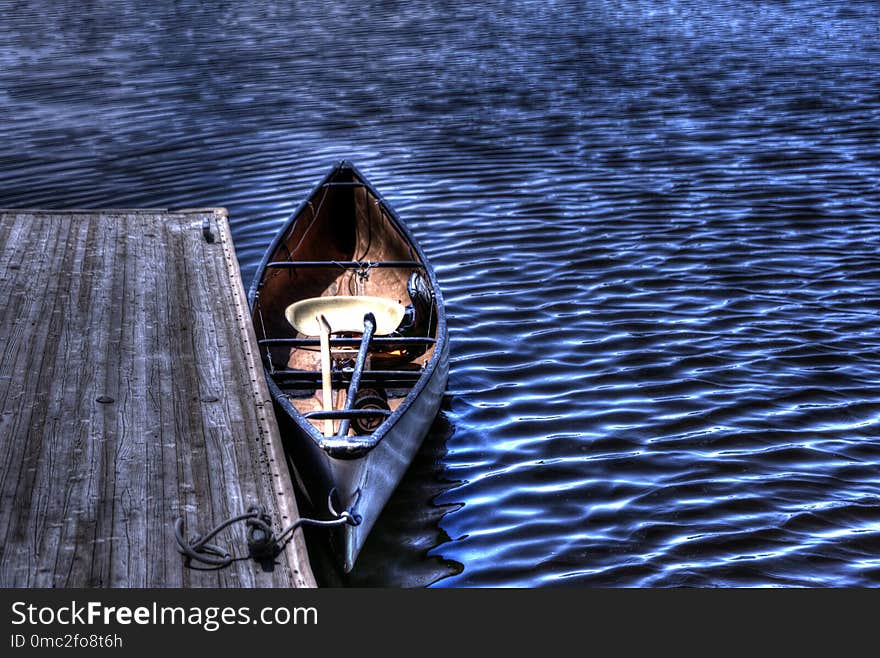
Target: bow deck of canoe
[(131, 393)]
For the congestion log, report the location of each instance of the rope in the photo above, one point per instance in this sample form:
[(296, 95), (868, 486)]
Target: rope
[(263, 544)]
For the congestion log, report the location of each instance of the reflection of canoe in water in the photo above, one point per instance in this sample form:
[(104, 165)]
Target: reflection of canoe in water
[(352, 332)]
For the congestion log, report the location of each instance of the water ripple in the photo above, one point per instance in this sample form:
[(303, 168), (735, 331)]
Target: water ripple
[(655, 224)]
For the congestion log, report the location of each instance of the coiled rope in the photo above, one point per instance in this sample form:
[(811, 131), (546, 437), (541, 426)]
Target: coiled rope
[(263, 543)]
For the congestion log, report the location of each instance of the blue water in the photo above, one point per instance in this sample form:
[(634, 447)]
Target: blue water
[(656, 225)]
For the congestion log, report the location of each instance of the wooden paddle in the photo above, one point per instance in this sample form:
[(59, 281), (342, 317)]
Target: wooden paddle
[(346, 314), (324, 327)]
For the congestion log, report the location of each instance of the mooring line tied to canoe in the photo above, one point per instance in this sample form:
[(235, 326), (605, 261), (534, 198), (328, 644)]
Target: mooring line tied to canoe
[(263, 543)]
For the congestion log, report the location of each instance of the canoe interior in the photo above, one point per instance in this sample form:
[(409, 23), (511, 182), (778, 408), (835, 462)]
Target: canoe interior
[(342, 226)]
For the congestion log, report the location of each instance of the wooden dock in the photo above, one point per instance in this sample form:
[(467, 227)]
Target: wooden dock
[(131, 393)]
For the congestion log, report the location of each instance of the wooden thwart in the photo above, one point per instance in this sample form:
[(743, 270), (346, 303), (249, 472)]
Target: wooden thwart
[(131, 393)]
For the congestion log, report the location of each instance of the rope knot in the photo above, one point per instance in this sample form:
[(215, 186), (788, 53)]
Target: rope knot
[(263, 543), (260, 538)]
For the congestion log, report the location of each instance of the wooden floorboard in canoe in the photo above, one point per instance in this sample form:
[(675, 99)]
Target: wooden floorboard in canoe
[(130, 394)]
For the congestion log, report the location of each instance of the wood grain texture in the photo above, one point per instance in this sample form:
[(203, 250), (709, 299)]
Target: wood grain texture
[(130, 395)]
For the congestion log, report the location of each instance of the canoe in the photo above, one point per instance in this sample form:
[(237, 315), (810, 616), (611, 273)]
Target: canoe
[(352, 332)]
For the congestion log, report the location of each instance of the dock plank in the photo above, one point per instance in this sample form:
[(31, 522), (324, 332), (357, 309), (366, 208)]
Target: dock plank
[(130, 394)]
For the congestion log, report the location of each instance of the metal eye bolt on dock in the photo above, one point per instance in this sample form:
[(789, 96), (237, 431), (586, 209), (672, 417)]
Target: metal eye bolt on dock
[(132, 394)]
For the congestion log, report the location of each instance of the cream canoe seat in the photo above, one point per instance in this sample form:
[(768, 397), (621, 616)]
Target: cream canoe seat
[(344, 314), (321, 316)]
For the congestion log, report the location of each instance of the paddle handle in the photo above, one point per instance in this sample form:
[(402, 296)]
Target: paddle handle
[(369, 329), (326, 389)]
